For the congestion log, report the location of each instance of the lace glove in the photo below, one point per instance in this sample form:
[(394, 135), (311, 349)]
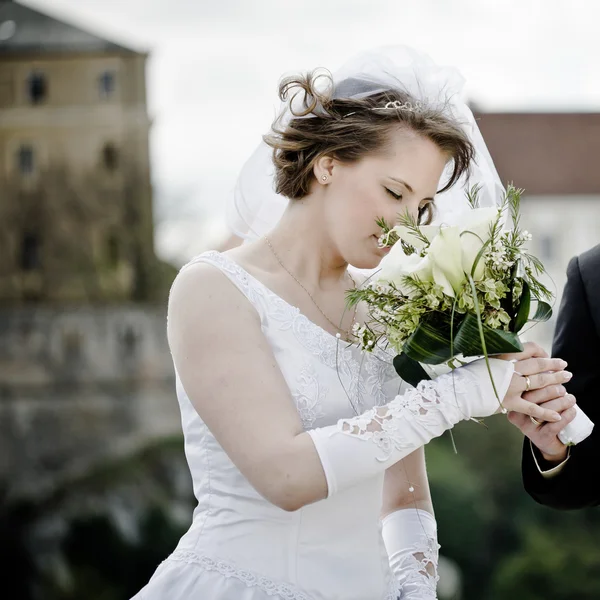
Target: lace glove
[(410, 537), (356, 449)]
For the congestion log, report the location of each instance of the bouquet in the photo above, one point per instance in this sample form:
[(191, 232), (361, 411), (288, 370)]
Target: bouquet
[(448, 293)]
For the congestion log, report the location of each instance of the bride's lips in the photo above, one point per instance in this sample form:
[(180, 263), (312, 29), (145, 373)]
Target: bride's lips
[(384, 250)]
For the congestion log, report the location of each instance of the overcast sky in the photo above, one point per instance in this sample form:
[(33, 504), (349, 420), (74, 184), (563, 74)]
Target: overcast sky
[(214, 65)]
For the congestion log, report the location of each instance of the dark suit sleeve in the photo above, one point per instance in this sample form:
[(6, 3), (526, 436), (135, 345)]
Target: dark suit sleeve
[(577, 341)]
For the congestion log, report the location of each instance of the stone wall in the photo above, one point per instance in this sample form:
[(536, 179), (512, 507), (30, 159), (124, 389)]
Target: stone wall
[(79, 387)]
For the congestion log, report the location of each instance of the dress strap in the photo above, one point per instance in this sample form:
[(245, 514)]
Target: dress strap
[(247, 284)]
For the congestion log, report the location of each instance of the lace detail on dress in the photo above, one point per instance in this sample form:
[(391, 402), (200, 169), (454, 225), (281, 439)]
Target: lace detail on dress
[(250, 579), (332, 352), (381, 377), (385, 426), (309, 396)]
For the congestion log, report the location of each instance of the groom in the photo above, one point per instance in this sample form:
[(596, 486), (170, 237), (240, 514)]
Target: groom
[(552, 474)]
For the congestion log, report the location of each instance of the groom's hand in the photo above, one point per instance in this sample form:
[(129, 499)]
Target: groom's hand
[(553, 397), (545, 436)]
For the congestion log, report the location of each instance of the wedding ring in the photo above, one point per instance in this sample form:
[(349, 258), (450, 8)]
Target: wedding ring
[(527, 384), (535, 421)]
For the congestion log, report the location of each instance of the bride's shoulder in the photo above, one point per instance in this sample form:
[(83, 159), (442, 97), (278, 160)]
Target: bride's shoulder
[(200, 270), (203, 291)]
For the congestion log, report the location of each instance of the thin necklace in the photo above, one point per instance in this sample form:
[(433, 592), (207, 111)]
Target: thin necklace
[(346, 332)]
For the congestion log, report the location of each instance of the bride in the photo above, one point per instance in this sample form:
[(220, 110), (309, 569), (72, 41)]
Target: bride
[(306, 453)]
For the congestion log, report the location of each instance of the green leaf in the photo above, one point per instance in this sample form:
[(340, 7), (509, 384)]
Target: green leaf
[(497, 341), (410, 370), (435, 341), (473, 195), (522, 315), (430, 343), (542, 313), (482, 339)]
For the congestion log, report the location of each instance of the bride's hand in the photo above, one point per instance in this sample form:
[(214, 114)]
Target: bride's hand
[(533, 371)]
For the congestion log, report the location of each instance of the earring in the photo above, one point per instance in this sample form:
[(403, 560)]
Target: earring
[(323, 177)]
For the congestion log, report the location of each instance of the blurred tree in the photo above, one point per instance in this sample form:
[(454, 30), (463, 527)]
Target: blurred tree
[(505, 544), (102, 536)]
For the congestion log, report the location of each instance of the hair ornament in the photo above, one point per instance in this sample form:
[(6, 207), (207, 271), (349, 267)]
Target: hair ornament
[(415, 107)]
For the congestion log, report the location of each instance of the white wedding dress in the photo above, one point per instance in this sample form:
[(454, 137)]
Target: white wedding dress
[(240, 546)]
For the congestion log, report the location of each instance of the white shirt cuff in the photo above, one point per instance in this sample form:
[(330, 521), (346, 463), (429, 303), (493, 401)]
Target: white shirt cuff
[(548, 474)]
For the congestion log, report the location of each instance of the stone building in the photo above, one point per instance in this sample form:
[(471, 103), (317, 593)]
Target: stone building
[(75, 191), (85, 369)]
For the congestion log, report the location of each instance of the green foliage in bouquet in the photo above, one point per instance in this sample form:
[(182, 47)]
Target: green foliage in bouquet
[(454, 291)]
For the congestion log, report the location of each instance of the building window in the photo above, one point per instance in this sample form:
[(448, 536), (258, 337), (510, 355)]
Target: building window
[(110, 157), (30, 252), (25, 160), (130, 341), (37, 88), (72, 342), (107, 84), (113, 250)]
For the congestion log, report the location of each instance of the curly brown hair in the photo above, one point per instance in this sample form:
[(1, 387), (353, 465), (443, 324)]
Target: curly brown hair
[(350, 129)]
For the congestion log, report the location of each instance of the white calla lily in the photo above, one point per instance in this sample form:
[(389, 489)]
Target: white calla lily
[(478, 220), (471, 246), (445, 253), (451, 253), (397, 265), (475, 232)]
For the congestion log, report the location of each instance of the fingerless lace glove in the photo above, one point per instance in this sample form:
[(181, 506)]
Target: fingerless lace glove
[(410, 537), (356, 449)]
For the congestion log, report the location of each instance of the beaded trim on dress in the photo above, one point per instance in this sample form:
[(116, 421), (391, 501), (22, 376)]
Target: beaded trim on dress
[(285, 591), (250, 579)]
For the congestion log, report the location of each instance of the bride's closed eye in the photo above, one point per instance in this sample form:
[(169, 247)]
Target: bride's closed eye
[(393, 194)]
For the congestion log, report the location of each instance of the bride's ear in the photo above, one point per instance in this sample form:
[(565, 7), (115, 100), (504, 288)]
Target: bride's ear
[(323, 169)]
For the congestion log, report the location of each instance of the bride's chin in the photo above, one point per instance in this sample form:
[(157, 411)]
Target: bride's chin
[(367, 262), (368, 258)]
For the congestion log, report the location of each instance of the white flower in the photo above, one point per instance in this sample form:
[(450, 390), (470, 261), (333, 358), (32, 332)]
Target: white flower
[(449, 256), (397, 265), (454, 250), (475, 232), (446, 258)]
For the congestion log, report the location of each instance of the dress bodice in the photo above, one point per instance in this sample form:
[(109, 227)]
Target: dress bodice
[(330, 549)]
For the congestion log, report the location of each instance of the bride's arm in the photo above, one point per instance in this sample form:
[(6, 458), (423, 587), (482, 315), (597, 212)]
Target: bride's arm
[(406, 485), (409, 527), (228, 371), (232, 378)]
